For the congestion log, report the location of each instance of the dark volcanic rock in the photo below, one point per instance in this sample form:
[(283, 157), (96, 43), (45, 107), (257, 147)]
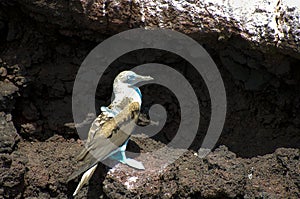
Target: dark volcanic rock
[(12, 172), (8, 134), (11, 80), (48, 166), (220, 174), (7, 90), (12, 165)]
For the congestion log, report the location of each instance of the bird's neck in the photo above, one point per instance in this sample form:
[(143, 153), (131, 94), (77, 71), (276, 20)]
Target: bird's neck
[(122, 91)]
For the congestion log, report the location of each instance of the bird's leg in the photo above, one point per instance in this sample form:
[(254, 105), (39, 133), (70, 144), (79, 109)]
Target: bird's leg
[(122, 150), (121, 157)]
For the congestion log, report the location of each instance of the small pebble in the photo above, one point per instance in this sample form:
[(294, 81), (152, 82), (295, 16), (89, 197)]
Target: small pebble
[(250, 176), (8, 117), (3, 71)]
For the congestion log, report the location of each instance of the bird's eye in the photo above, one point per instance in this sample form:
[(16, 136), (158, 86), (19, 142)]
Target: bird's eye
[(130, 77)]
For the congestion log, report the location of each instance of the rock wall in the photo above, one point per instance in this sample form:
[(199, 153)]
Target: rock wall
[(255, 45)]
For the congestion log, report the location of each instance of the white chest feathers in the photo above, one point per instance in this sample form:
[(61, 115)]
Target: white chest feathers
[(123, 95)]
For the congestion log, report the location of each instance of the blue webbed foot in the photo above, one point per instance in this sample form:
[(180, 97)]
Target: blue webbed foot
[(121, 157), (134, 164)]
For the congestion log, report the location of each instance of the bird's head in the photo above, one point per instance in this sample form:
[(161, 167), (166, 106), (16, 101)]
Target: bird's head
[(131, 78)]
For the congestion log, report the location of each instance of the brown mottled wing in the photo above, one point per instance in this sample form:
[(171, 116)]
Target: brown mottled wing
[(95, 127), (108, 138)]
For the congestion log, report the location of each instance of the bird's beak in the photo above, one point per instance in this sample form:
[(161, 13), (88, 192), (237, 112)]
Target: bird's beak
[(144, 78)]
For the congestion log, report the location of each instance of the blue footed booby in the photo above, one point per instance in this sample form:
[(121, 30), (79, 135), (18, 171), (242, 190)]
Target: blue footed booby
[(110, 131)]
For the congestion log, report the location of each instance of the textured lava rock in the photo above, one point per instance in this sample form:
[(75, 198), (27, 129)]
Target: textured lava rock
[(11, 80), (12, 175), (220, 174), (12, 165), (7, 89), (8, 134), (267, 23)]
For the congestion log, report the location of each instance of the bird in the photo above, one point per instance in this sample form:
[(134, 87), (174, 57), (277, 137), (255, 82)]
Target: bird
[(110, 131)]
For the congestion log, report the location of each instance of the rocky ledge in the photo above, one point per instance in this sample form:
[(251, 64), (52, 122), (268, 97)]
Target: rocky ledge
[(40, 170)]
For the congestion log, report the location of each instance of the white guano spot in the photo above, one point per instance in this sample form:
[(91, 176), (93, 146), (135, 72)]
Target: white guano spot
[(130, 182)]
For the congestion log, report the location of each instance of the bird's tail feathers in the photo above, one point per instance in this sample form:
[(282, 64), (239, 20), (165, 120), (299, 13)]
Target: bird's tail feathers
[(85, 178)]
